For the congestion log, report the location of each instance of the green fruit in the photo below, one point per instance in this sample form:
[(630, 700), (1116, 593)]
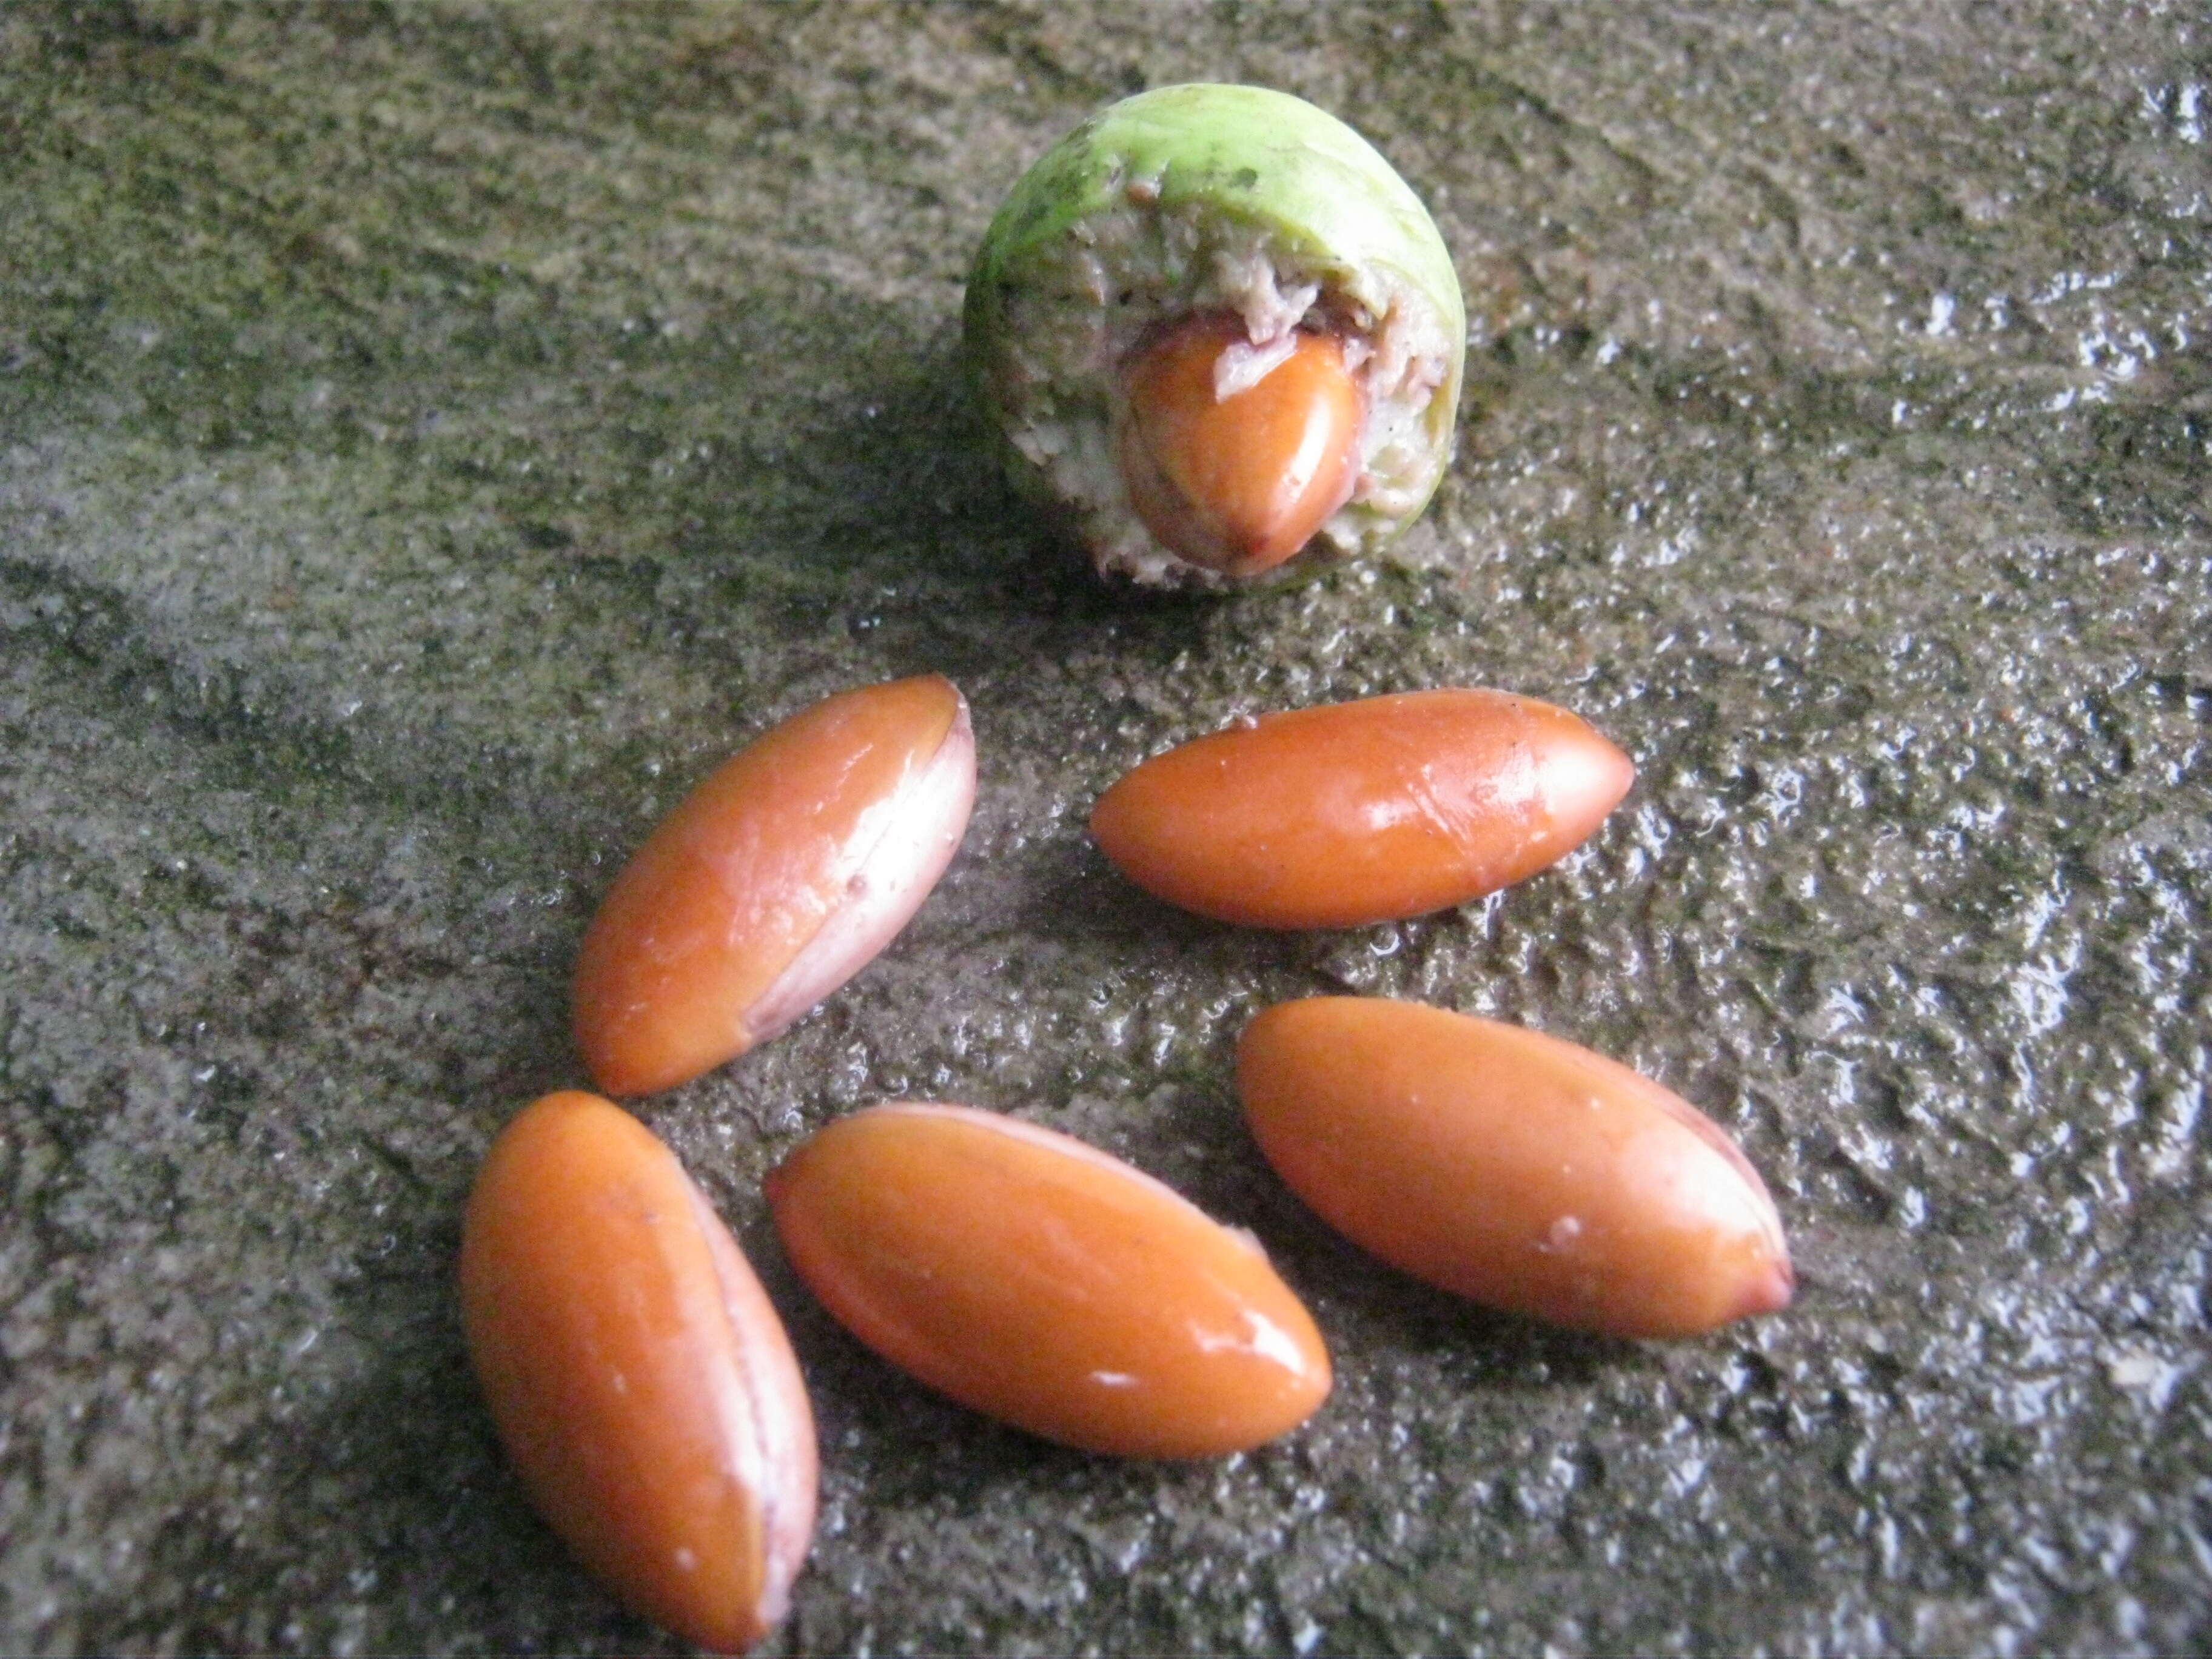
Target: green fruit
[(1130, 220)]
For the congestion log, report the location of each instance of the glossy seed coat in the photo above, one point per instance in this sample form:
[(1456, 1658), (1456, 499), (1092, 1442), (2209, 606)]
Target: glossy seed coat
[(778, 879), (1359, 813), (1037, 1279), (1237, 484), (1514, 1168), (641, 1381)]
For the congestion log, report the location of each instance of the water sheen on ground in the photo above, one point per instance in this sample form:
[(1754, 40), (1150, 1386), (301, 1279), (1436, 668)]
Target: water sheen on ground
[(433, 435)]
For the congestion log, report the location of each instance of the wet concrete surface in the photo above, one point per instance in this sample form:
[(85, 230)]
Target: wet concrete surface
[(431, 435)]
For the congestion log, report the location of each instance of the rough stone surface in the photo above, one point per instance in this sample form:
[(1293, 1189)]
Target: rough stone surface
[(432, 434)]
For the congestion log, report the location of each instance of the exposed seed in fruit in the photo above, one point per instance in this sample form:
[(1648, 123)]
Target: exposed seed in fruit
[(641, 1381), (1514, 1168), (1237, 480), (1187, 241), (1038, 1280), (1360, 812), (776, 881)]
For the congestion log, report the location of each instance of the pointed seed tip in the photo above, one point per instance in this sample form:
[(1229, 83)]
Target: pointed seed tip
[(1772, 1290)]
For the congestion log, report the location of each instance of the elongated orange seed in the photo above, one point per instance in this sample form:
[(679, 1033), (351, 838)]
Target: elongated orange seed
[(641, 1381), (1237, 480), (1039, 1280), (774, 883), (1511, 1167), (1365, 811)]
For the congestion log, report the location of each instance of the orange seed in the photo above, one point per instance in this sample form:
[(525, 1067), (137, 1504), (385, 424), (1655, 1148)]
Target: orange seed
[(1038, 1280), (1359, 813), (641, 1381), (1511, 1167), (1238, 484), (774, 883)]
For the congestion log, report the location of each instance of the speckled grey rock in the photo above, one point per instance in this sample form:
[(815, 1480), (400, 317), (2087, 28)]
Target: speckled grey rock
[(430, 435)]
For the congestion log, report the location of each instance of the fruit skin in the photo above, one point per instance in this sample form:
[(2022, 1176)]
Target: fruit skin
[(1249, 152), (641, 1381), (1514, 1168), (1359, 813), (779, 878), (1042, 1282)]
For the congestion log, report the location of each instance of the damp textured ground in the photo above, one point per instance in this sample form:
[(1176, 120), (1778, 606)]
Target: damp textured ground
[(432, 434)]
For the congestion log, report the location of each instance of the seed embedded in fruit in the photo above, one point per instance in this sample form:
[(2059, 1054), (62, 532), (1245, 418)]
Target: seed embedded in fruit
[(641, 1381), (1038, 1280), (1359, 813), (1516, 1168), (779, 878), (1237, 478), (1273, 223)]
